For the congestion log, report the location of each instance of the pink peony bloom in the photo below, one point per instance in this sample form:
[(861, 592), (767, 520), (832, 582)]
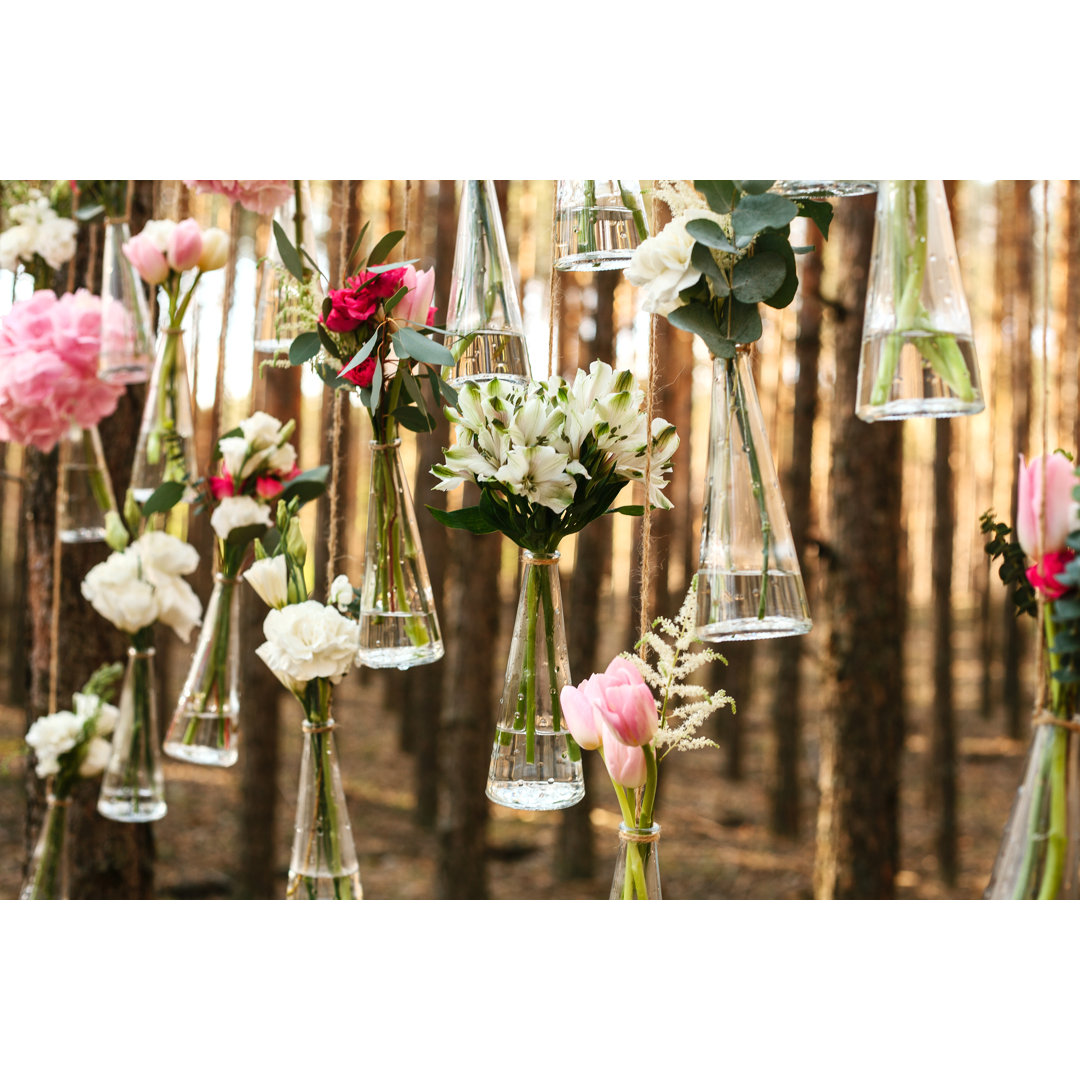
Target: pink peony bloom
[(1043, 575), (262, 196), (1062, 512)]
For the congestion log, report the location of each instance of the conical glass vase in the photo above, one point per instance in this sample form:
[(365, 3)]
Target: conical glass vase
[(598, 223), (824, 189), (918, 354), (399, 627), (133, 787), (48, 878), (126, 336), (205, 726), (535, 763), (84, 493), (323, 864), (749, 584), (166, 446), (637, 869), (484, 329), (277, 318), (1039, 857)]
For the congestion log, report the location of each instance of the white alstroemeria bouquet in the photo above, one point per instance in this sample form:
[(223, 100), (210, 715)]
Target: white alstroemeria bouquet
[(68, 745), (310, 647)]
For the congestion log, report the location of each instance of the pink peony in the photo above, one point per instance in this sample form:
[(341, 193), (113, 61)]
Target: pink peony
[(262, 196), (48, 369)]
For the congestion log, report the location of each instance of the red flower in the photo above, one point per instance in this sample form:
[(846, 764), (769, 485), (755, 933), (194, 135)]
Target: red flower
[(1043, 575), (266, 487), (356, 303), (363, 375), (222, 487)]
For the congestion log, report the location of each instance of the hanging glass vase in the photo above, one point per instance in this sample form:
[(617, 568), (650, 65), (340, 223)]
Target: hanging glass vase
[(918, 355), (637, 869), (1039, 857), (276, 313), (84, 493), (535, 763), (748, 583), (205, 726), (598, 223), (47, 878), (484, 330), (824, 189), (166, 446), (133, 787), (126, 338), (399, 627), (323, 864)]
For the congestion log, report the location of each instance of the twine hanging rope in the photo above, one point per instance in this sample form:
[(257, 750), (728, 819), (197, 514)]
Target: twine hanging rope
[(553, 286), (646, 520), (226, 309), (1040, 653)]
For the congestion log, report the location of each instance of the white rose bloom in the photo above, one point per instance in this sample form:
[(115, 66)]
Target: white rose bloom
[(117, 592), (269, 578), (261, 430), (178, 606), (98, 752), (661, 265), (282, 460), (341, 592), (56, 241), (236, 512), (50, 737), (308, 641), (159, 233), (165, 554)]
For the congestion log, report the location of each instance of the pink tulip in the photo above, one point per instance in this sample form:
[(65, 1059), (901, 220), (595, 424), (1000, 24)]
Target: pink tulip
[(622, 670), (415, 305), (185, 245), (581, 718), (1062, 513), (626, 764), (633, 719), (144, 255)]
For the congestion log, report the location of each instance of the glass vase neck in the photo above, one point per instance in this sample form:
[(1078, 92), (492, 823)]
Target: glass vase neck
[(539, 558), (636, 835), (135, 653), (392, 445)]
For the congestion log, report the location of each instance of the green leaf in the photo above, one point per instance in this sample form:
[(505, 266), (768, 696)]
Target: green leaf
[(758, 277), (820, 213), (410, 343), (721, 195), (328, 374), (744, 322), (758, 212), (710, 234), (778, 243), (701, 260), (351, 263), (381, 268), (449, 394), (470, 518), (308, 485), (754, 187), (384, 247), (629, 511), (411, 387), (409, 416), (244, 534), (164, 498), (328, 342), (304, 347), (289, 255), (376, 384), (361, 356), (699, 319), (393, 301), (327, 307)]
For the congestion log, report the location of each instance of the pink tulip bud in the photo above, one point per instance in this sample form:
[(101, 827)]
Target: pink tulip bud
[(633, 718), (581, 718), (1062, 512), (626, 764), (415, 305), (622, 670), (185, 245), (148, 261)]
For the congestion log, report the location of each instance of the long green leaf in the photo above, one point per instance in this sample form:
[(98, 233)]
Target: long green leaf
[(289, 255), (164, 498), (384, 247), (308, 485), (410, 343), (470, 518), (304, 347), (361, 356)]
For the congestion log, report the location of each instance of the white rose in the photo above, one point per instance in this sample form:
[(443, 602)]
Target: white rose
[(50, 737), (236, 512), (661, 265), (98, 752), (159, 233), (308, 641), (56, 241), (341, 592), (117, 592), (164, 553), (269, 578), (261, 430)]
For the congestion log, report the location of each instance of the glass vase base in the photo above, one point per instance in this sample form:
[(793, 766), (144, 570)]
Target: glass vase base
[(128, 374), (219, 757), (402, 657), (130, 807), (730, 606), (400, 640), (324, 887), (484, 355), (916, 408), (536, 794), (552, 780), (595, 238), (88, 535)]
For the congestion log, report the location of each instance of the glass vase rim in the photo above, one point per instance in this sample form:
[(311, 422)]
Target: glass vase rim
[(135, 653), (540, 558), (309, 728), (172, 330), (125, 220), (58, 800), (220, 578), (639, 835), (374, 444)]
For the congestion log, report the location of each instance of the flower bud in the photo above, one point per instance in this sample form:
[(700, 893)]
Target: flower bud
[(132, 514), (116, 536), (295, 544), (185, 245), (215, 250)]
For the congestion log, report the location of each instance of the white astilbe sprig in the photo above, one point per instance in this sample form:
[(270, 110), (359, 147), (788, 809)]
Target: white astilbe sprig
[(679, 195), (684, 706)]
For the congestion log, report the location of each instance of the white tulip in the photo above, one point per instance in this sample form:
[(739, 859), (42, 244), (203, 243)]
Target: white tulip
[(269, 578)]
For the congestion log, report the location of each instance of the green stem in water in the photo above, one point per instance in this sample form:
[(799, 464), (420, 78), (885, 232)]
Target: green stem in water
[(1056, 840), (634, 207), (588, 218), (531, 611), (95, 476), (46, 883)]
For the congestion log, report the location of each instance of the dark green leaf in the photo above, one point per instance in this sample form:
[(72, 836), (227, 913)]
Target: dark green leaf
[(289, 256), (703, 261), (471, 518), (362, 355), (393, 301), (754, 187), (448, 392), (721, 195), (328, 342), (164, 498), (710, 234), (304, 347), (328, 374), (743, 322), (820, 213), (412, 387), (410, 417), (629, 511), (758, 212), (351, 262), (327, 307), (308, 485), (699, 319), (758, 277), (778, 243), (410, 343), (242, 536), (384, 247)]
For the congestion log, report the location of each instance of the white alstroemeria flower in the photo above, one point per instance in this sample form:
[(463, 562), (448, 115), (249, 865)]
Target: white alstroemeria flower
[(261, 430), (498, 403), (577, 423), (494, 445), (469, 413), (237, 512), (539, 474), (341, 592), (98, 752), (589, 386), (661, 265), (620, 419), (533, 423), (270, 580), (463, 462)]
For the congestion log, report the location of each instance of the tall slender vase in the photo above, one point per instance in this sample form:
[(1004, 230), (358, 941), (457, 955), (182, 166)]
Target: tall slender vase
[(323, 864), (48, 878), (637, 869), (166, 446), (399, 627), (749, 582), (205, 726), (126, 337), (535, 763), (133, 787), (598, 224), (84, 493)]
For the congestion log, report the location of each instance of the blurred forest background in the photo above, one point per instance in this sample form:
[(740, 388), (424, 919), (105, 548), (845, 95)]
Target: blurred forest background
[(876, 757)]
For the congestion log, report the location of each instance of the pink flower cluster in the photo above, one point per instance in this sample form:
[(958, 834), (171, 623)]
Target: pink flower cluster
[(49, 351), (1062, 517), (165, 247), (615, 710), (262, 196)]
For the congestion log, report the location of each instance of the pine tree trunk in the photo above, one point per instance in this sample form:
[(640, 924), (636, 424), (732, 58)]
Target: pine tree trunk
[(862, 721)]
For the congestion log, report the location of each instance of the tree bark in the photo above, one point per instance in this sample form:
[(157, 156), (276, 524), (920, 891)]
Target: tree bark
[(862, 721)]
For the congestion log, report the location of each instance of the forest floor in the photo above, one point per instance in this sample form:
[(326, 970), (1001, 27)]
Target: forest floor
[(715, 843)]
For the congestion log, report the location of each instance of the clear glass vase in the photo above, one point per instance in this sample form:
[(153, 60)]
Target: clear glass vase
[(84, 493), (1039, 857), (323, 864), (824, 189), (166, 446), (598, 223), (637, 869), (205, 726), (749, 584), (918, 354), (48, 878), (133, 787), (399, 627), (535, 763), (484, 329), (126, 336)]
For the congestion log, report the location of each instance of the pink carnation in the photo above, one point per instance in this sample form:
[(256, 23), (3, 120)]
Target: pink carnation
[(262, 196), (49, 352)]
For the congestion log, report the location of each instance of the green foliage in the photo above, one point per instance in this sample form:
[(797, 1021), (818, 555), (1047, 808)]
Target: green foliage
[(1013, 569), (164, 498)]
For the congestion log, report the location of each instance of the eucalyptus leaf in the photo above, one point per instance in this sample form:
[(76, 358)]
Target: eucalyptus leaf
[(721, 195), (412, 387), (702, 260), (779, 244), (331, 378), (758, 212), (376, 383), (304, 347), (410, 417), (289, 255), (754, 187), (355, 250), (410, 343), (758, 277), (710, 234), (384, 247), (820, 213), (743, 323), (699, 319), (164, 498), (328, 342), (361, 356), (393, 301), (629, 511), (244, 534)]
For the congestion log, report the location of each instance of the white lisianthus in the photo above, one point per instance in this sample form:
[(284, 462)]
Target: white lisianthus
[(179, 608), (50, 737), (308, 641), (163, 553), (117, 592), (237, 512), (282, 460), (269, 578), (661, 265), (98, 752), (261, 430), (86, 705), (341, 592)]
